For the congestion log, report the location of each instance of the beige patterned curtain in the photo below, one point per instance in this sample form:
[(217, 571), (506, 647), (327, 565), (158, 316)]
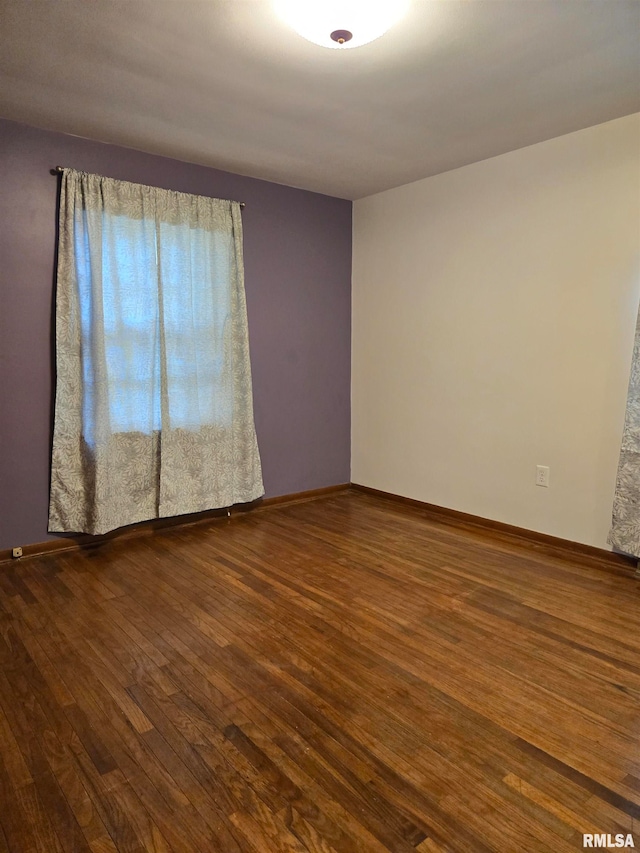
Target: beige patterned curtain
[(625, 528), (154, 410)]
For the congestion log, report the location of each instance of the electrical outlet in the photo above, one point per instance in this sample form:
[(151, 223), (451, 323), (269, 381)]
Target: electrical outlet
[(542, 475), (16, 552)]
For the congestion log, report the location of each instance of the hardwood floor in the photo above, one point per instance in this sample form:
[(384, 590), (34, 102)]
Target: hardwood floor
[(336, 676)]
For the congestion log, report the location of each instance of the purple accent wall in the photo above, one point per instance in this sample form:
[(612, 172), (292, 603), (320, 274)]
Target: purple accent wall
[(297, 251)]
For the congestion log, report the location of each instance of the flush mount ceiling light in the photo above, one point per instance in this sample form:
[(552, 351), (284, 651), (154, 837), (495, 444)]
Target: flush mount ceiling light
[(341, 23)]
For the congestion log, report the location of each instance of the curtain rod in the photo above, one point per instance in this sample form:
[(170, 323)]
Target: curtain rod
[(62, 168)]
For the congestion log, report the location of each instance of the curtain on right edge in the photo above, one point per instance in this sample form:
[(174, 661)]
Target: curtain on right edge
[(625, 526)]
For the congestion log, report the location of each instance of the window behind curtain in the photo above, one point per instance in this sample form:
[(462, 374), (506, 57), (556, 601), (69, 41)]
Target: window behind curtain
[(195, 312)]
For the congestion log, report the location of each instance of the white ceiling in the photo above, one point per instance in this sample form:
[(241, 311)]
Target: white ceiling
[(225, 83)]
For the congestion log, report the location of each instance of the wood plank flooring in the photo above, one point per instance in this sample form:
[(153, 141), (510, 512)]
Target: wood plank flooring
[(338, 676)]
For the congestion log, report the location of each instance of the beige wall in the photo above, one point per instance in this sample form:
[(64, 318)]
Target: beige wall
[(493, 317)]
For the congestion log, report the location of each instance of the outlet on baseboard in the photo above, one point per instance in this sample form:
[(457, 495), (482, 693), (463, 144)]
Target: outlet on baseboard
[(16, 552), (542, 475)]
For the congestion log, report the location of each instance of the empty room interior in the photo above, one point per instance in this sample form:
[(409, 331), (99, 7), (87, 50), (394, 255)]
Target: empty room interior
[(320, 426)]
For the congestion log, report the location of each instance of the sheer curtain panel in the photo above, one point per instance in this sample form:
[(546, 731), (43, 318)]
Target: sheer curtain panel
[(154, 409), (625, 525)]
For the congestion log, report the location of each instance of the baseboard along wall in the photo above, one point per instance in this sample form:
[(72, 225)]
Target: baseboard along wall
[(538, 542), (146, 528)]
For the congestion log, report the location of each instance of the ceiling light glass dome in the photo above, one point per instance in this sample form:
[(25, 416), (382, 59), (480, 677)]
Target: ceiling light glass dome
[(341, 23)]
